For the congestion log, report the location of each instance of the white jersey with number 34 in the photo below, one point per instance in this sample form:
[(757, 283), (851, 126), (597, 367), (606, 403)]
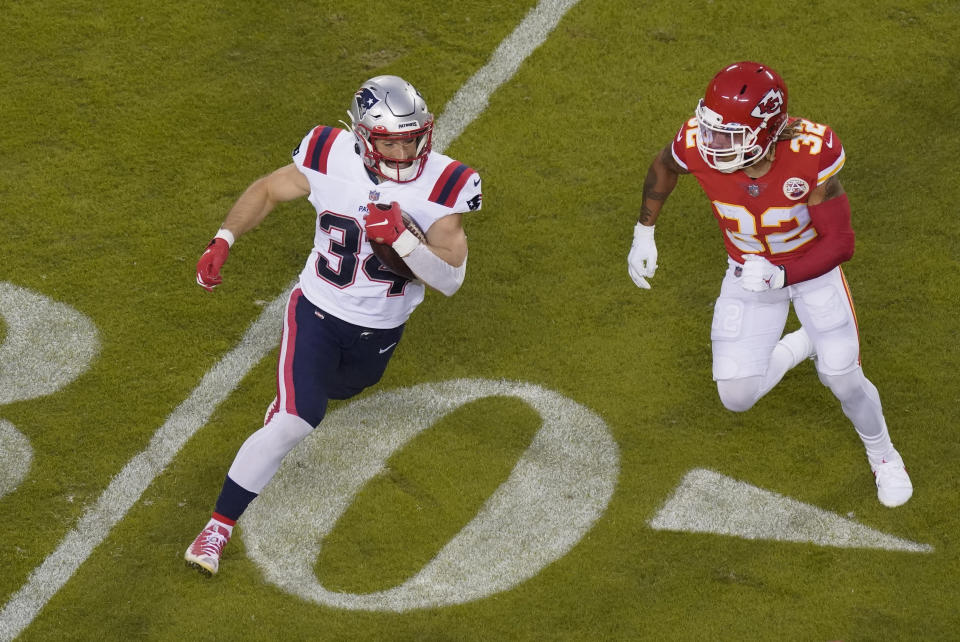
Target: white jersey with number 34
[(342, 275)]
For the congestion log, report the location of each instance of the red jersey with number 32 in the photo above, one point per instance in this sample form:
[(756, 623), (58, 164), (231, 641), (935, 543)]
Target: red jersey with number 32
[(768, 215)]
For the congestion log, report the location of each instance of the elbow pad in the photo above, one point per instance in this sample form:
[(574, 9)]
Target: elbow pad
[(434, 271)]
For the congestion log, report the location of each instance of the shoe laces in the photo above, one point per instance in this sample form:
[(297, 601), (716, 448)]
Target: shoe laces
[(890, 471), (212, 542)]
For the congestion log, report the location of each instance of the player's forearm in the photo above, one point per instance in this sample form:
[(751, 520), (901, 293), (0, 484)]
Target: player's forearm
[(657, 186), (836, 243), (447, 239), (250, 209), (434, 271)]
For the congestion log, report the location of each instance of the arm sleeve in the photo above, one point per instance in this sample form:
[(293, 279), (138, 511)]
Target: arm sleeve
[(434, 271), (832, 222)]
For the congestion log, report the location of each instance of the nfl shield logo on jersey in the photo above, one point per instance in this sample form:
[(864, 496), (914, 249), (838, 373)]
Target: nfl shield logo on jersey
[(374, 195)]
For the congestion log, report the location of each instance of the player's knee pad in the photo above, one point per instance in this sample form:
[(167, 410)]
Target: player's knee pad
[(260, 455), (739, 395), (286, 431), (725, 368), (837, 355)]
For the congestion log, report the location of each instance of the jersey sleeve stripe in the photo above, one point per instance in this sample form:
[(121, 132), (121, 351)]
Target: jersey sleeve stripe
[(827, 172), (450, 183), (319, 149)]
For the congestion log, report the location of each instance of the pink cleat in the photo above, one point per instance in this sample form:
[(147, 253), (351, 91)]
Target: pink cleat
[(204, 554)]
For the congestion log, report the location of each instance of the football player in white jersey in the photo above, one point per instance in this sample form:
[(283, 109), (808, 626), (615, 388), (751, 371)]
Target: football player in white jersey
[(345, 317)]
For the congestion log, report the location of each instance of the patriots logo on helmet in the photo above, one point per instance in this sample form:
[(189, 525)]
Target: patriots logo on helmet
[(365, 100), (770, 105)]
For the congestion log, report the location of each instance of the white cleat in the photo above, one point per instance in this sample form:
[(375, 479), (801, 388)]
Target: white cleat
[(205, 551), (894, 487)]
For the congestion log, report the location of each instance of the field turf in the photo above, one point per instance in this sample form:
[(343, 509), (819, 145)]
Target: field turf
[(533, 431)]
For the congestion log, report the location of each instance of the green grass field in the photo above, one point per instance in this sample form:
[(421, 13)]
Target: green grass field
[(129, 130)]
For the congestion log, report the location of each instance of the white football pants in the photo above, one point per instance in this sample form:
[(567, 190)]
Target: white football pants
[(750, 357)]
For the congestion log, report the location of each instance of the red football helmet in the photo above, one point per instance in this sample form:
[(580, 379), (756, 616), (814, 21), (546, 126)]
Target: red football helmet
[(740, 116)]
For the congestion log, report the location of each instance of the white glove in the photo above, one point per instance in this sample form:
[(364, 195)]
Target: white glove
[(759, 274), (642, 260)]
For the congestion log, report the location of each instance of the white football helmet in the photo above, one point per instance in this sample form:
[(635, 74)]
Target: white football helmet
[(388, 107)]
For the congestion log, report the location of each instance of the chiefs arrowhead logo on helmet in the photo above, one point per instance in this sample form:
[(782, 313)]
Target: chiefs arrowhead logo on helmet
[(770, 105)]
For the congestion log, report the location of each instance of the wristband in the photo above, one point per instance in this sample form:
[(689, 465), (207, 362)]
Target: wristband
[(406, 243), (226, 235), (643, 231)]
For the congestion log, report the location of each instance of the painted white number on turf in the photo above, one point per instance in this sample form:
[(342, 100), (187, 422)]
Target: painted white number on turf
[(559, 487), (46, 346)]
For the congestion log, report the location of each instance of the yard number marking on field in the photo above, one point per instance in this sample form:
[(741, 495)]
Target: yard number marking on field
[(708, 502), (558, 488)]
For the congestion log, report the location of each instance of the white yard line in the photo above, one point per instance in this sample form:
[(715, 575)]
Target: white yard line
[(262, 336)]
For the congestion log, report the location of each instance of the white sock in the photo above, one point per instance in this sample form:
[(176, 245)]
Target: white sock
[(798, 344), (860, 402), (879, 449), (260, 455), (791, 350)]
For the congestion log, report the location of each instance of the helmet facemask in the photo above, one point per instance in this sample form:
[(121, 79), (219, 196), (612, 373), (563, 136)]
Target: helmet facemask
[(400, 170), (387, 108), (727, 147)]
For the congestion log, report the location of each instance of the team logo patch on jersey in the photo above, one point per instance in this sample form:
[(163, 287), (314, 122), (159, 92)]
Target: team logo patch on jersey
[(365, 100), (795, 188)]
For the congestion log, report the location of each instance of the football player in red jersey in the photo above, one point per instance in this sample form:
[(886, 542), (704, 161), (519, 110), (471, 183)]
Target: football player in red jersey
[(785, 221), (346, 315)]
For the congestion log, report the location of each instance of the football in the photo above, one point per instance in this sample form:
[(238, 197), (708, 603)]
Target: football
[(389, 257)]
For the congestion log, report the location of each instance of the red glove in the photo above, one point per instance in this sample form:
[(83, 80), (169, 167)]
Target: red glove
[(208, 267), (384, 223)]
